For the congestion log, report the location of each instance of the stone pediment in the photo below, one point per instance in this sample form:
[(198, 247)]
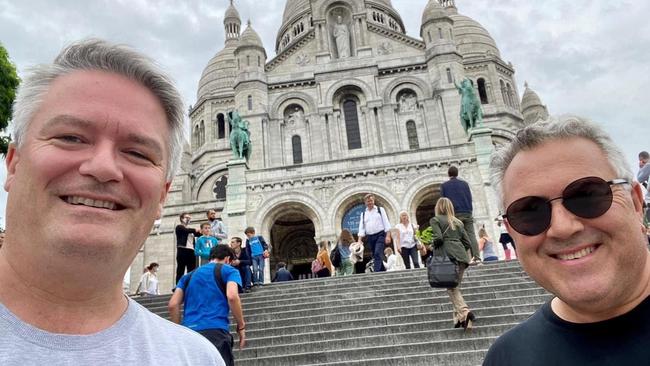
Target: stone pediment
[(396, 37), (292, 55)]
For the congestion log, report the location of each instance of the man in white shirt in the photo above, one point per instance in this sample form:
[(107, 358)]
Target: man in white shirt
[(374, 226)]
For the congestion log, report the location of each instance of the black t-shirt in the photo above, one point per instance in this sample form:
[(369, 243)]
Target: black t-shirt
[(182, 232), (547, 340)]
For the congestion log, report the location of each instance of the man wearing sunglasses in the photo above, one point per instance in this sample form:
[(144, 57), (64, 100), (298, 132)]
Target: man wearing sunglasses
[(575, 212)]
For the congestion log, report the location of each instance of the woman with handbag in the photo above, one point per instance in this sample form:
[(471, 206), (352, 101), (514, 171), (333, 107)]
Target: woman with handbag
[(449, 236), (323, 258), (409, 244)]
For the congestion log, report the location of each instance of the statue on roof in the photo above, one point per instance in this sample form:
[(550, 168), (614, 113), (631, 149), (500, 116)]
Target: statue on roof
[(240, 142), (471, 114)]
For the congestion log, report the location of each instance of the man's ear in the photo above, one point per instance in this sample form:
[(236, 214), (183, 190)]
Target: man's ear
[(637, 198), (163, 197), (11, 162)]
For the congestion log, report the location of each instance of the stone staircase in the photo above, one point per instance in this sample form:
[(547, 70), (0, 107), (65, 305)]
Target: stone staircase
[(392, 318)]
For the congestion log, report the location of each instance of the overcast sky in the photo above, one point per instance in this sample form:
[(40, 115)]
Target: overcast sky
[(588, 57)]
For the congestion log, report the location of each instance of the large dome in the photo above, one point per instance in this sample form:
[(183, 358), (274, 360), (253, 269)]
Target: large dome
[(220, 73), (293, 8), (471, 38)]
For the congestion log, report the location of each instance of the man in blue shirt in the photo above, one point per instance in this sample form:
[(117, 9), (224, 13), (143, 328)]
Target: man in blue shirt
[(207, 306), (457, 190)]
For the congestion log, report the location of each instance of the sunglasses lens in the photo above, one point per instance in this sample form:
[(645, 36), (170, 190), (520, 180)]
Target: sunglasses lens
[(587, 197), (529, 215)]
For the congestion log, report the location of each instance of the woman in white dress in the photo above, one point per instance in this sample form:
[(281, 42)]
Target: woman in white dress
[(149, 281), (408, 244)]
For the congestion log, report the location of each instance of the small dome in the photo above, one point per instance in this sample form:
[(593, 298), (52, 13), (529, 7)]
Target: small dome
[(232, 13), (220, 73), (250, 38), (530, 99), (471, 38), (432, 11)]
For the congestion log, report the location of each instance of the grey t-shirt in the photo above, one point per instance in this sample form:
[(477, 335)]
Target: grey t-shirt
[(138, 338)]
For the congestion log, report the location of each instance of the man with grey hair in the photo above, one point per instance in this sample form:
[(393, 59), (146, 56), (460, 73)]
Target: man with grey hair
[(575, 212), (98, 136)]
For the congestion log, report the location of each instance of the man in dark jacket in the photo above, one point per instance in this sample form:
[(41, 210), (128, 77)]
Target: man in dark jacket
[(242, 262), (457, 190), (282, 274)]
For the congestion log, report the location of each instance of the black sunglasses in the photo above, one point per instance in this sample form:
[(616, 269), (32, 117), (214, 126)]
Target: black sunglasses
[(588, 197)]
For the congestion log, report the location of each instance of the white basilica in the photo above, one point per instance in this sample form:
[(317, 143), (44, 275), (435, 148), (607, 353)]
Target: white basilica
[(350, 104)]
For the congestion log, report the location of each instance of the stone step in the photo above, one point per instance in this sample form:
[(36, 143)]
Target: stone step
[(264, 298), (434, 312), (364, 297), (386, 278), (390, 318), (462, 358), (377, 287), (439, 329), (380, 306), (381, 337), (355, 350), (404, 294), (279, 328)]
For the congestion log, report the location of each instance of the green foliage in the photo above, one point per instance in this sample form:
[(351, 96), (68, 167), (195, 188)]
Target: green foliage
[(9, 81), (426, 236)]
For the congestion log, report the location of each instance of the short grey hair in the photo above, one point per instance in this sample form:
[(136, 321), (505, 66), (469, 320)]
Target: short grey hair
[(555, 128), (96, 54)]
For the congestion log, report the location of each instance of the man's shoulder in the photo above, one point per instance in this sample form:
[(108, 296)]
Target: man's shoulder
[(182, 341), (518, 343)]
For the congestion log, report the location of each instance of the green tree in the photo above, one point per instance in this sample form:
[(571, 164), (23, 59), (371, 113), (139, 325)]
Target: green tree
[(8, 83)]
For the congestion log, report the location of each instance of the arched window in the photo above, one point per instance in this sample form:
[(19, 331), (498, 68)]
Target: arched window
[(440, 33), (202, 133), (219, 189), (195, 136), (352, 124), (250, 102), (412, 133), (504, 93), (449, 79), (510, 97), (248, 60), (429, 34), (482, 91), (221, 126), (297, 149)]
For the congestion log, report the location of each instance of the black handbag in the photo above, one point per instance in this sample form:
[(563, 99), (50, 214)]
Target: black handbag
[(442, 272)]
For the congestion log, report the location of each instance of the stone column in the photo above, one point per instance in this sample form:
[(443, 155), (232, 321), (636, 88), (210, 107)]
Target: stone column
[(482, 139), (234, 212)]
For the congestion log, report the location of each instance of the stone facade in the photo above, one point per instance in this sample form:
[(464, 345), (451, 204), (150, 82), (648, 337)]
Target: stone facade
[(329, 124)]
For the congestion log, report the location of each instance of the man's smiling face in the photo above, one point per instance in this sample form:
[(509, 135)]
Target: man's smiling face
[(89, 177)]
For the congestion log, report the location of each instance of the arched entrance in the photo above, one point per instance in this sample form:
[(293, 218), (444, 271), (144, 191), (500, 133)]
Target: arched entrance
[(292, 234), (349, 214), (424, 204)]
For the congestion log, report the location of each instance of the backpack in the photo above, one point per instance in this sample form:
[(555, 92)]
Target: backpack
[(335, 257), (217, 278)]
